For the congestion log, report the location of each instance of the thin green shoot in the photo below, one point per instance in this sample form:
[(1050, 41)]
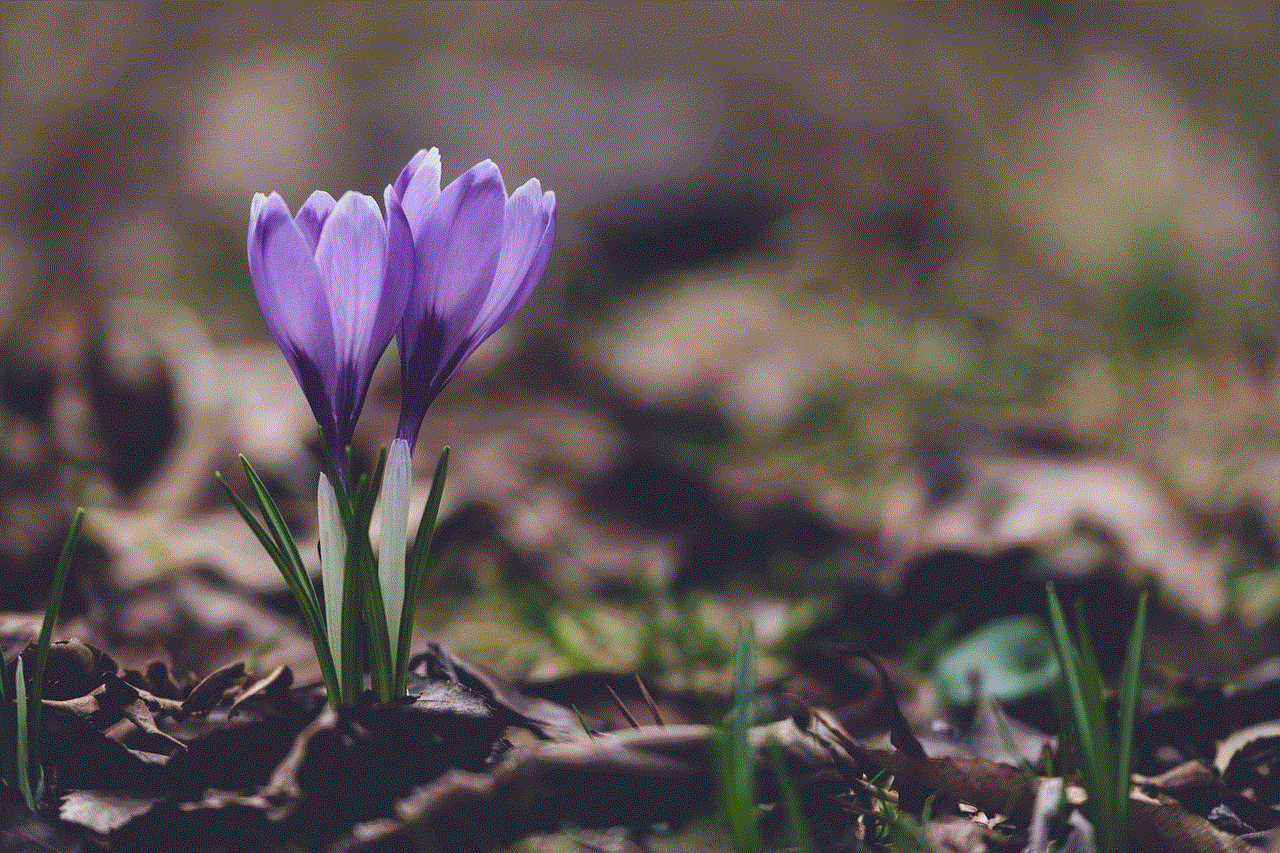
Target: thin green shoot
[(582, 721), (290, 568), (1105, 762), (354, 634), (416, 572), (22, 768), (1006, 738), (378, 642), (52, 608), (796, 826), (22, 748), (737, 777)]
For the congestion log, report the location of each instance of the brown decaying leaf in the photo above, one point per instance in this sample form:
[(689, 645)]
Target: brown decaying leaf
[(1006, 500), (1199, 788), (212, 687), (546, 719), (273, 685), (1160, 825), (1157, 824), (103, 811), (631, 777)]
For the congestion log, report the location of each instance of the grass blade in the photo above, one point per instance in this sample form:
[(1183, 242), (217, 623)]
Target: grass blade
[(51, 609), (290, 563), (268, 544), (417, 569), (1071, 673), (1102, 774), (1127, 716), (365, 572), (1091, 683), (23, 761), (279, 530), (739, 779), (298, 581), (349, 648), (795, 815), (376, 621)]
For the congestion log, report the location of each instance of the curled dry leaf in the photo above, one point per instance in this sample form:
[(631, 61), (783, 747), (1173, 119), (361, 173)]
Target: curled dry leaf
[(543, 717), (271, 688), (1250, 759), (213, 687)]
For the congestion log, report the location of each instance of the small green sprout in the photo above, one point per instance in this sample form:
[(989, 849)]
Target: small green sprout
[(737, 757), (21, 763), (365, 623), (1106, 763)]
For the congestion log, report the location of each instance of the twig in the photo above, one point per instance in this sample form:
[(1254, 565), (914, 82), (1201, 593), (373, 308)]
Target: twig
[(622, 706), (648, 700)]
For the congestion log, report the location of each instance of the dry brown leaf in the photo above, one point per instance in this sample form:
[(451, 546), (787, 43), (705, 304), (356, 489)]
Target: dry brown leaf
[(1006, 501), (629, 777), (1157, 825), (103, 811)]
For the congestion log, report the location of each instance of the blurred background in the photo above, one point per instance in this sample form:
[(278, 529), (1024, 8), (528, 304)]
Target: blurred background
[(862, 320)]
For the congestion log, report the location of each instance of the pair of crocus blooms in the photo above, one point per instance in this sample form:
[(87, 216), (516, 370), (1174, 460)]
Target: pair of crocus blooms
[(440, 271)]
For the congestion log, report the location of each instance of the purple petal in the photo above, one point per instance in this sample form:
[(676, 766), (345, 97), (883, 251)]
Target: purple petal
[(418, 186), (528, 232), (312, 215), (457, 254), (528, 235), (285, 278), (352, 261), (464, 238), (292, 299), (401, 266)]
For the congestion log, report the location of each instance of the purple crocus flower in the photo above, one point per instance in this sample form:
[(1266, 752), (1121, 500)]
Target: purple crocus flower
[(332, 285), (478, 255)]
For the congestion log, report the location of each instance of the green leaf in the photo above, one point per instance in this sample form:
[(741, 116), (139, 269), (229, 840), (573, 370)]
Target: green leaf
[(23, 758), (1130, 679), (417, 569), (376, 620), (51, 609), (365, 572), (1102, 774), (295, 577), (1075, 692), (352, 680), (268, 544), (738, 782), (279, 530), (795, 815), (1015, 656)]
